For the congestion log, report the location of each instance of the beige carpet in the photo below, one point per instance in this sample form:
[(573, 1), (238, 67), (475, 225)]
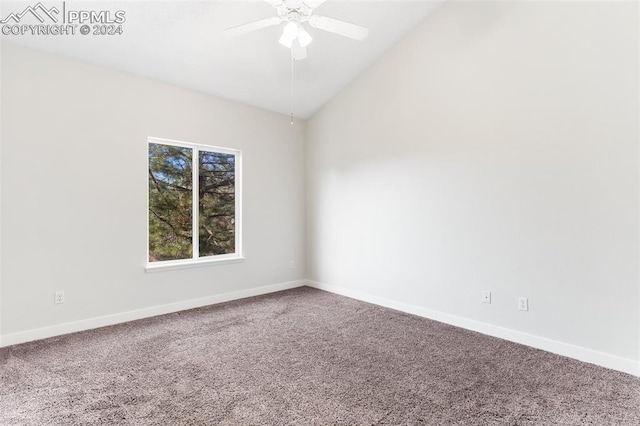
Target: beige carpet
[(302, 357)]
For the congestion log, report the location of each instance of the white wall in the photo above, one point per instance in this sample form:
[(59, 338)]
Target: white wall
[(74, 182), (495, 148), (1, 196)]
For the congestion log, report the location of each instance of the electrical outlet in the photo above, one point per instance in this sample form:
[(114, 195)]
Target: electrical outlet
[(292, 264), (486, 297), (58, 297), (523, 303)]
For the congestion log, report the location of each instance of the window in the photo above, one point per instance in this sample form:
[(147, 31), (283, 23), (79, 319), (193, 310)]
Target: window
[(194, 204)]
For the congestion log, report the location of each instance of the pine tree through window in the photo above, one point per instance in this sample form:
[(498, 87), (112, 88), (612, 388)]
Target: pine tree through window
[(193, 202)]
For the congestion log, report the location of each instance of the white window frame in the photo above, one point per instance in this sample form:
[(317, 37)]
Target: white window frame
[(196, 260)]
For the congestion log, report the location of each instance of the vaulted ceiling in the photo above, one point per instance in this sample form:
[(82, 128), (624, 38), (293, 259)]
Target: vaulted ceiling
[(183, 43)]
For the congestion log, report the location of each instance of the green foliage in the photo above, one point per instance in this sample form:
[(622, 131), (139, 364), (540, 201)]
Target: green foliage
[(216, 203), (170, 203), (170, 186)]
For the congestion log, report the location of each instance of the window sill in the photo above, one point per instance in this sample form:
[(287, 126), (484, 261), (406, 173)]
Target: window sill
[(171, 265)]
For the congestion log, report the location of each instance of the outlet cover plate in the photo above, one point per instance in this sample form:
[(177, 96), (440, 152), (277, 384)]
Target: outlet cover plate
[(523, 303)]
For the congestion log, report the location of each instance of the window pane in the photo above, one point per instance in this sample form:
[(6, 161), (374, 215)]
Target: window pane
[(170, 203), (216, 203)]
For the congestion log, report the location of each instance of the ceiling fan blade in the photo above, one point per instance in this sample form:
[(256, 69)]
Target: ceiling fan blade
[(313, 3), (346, 29), (252, 26), (298, 52)]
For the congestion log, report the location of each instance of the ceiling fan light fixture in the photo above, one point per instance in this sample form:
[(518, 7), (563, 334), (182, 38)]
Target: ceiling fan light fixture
[(290, 30), (304, 38), (293, 31), (289, 34), (286, 41)]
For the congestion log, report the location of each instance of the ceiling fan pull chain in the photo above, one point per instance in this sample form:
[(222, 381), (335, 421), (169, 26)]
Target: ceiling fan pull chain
[(291, 100)]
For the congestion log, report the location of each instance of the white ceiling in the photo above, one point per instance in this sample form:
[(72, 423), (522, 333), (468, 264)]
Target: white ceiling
[(182, 42)]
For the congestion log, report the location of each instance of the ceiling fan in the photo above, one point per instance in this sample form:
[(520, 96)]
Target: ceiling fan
[(296, 13)]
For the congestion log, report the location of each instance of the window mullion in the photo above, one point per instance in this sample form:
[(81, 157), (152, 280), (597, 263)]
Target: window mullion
[(195, 179)]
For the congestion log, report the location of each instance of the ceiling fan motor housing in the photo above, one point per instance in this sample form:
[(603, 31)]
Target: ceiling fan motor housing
[(300, 14)]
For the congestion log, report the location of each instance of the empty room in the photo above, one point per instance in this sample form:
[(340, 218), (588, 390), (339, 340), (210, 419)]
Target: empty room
[(320, 212)]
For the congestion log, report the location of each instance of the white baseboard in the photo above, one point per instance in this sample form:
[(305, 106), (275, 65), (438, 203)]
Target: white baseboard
[(572, 351), (91, 323)]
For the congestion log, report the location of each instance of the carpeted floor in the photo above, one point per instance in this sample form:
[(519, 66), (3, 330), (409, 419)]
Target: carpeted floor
[(302, 357)]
